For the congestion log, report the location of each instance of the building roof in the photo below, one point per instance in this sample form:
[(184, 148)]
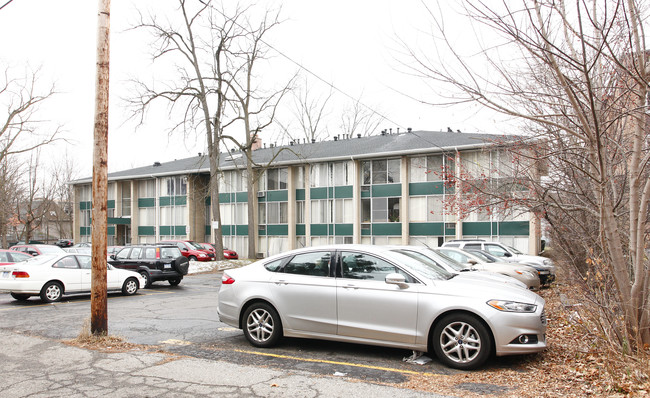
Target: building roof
[(384, 145)]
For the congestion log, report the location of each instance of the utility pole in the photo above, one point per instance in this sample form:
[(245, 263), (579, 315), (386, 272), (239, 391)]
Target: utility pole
[(98, 299)]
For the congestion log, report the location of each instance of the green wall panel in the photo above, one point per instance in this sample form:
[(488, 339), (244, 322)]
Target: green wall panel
[(277, 196), (300, 229), (318, 193), (110, 231), (344, 229), (147, 202), (241, 230), (118, 220), (343, 192), (224, 198), (110, 204), (319, 229), (146, 231), (384, 190), (387, 229), (477, 228), (426, 229), (280, 229), (426, 188), (514, 228), (300, 194), (241, 197)]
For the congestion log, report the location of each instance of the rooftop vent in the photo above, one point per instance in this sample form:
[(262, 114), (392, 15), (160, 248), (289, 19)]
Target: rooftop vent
[(336, 138), (358, 135), (313, 140), (156, 164), (409, 129)]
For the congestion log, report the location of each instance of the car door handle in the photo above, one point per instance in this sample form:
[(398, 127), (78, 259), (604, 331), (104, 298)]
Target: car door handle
[(350, 286), (281, 282)]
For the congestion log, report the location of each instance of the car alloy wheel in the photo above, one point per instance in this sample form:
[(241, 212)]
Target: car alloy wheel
[(51, 292), (130, 287), (263, 327), (461, 341)]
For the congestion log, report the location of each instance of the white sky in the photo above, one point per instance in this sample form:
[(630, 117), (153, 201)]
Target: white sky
[(348, 43)]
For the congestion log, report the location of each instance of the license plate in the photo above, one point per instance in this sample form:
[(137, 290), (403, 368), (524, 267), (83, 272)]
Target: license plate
[(5, 274), (167, 266)]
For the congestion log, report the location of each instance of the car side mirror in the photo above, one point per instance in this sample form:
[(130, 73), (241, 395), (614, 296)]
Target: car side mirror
[(472, 262), (112, 257), (506, 254), (397, 279)]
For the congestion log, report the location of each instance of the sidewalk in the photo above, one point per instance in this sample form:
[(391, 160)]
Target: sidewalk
[(37, 367)]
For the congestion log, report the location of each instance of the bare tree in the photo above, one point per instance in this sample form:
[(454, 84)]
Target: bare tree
[(9, 192), (576, 75), (310, 112), (216, 51), (20, 129), (359, 119), (63, 172)]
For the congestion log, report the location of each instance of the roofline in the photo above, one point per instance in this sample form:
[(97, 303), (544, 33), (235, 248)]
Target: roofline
[(416, 151)]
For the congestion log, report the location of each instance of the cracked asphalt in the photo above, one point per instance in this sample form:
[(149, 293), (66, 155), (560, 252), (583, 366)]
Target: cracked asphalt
[(192, 353)]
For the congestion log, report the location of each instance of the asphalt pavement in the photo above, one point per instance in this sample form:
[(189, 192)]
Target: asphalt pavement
[(41, 367)]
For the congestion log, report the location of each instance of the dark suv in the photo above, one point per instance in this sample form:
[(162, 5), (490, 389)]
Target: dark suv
[(154, 263)]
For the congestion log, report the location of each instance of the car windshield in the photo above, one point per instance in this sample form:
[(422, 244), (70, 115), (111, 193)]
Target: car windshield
[(194, 245), (514, 250), (448, 260), (422, 264), (493, 259), (50, 249), (482, 255), (40, 260)]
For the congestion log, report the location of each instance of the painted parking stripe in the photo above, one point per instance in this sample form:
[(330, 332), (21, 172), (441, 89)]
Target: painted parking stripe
[(356, 365)]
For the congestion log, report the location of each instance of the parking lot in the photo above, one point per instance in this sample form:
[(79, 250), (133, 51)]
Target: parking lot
[(184, 320)]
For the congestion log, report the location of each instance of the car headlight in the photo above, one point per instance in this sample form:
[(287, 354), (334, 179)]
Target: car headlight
[(511, 306), (202, 255), (525, 273), (547, 262)]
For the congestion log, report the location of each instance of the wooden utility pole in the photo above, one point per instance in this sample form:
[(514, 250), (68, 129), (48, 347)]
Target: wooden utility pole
[(98, 299)]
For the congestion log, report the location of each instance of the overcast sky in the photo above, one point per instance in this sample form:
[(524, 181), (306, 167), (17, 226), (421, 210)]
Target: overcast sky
[(351, 44)]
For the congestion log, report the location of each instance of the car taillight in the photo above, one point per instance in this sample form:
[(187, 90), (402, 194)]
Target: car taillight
[(227, 280), (22, 274), (157, 253)]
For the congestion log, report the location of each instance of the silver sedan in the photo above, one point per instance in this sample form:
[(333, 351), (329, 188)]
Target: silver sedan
[(376, 295)]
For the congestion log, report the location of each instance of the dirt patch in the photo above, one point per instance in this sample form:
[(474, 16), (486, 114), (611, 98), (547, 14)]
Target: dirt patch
[(572, 366)]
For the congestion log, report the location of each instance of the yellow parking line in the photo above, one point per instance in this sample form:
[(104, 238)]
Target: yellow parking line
[(23, 307), (337, 363)]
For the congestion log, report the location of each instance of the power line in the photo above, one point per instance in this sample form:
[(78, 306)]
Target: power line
[(299, 65), (6, 4)]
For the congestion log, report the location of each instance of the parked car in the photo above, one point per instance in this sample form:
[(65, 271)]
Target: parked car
[(190, 249), (227, 253), (80, 250), (12, 256), (506, 253), (436, 258), (521, 272), (153, 263), (84, 244), (64, 243), (51, 276), (544, 273), (37, 250), (375, 295)]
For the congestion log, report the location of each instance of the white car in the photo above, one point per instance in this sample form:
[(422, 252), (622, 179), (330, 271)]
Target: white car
[(375, 295), (50, 276)]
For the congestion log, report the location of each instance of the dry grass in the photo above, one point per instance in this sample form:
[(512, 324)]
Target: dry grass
[(102, 342), (572, 366)]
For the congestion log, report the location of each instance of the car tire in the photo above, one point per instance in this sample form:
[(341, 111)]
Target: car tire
[(461, 341), (262, 325), (181, 265), (147, 279), (175, 281), (192, 258), (130, 287), (20, 296), (51, 292)]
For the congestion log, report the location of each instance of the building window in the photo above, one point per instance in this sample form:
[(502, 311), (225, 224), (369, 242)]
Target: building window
[(173, 186), (276, 179), (385, 210), (300, 212), (126, 199), (321, 211), (385, 171), (331, 174), (431, 168), (147, 189)]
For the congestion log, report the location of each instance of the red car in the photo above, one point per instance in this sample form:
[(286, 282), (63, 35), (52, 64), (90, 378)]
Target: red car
[(10, 256), (37, 249), (227, 254), (190, 249)]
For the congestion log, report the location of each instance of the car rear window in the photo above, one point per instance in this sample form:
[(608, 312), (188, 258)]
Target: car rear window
[(170, 252)]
